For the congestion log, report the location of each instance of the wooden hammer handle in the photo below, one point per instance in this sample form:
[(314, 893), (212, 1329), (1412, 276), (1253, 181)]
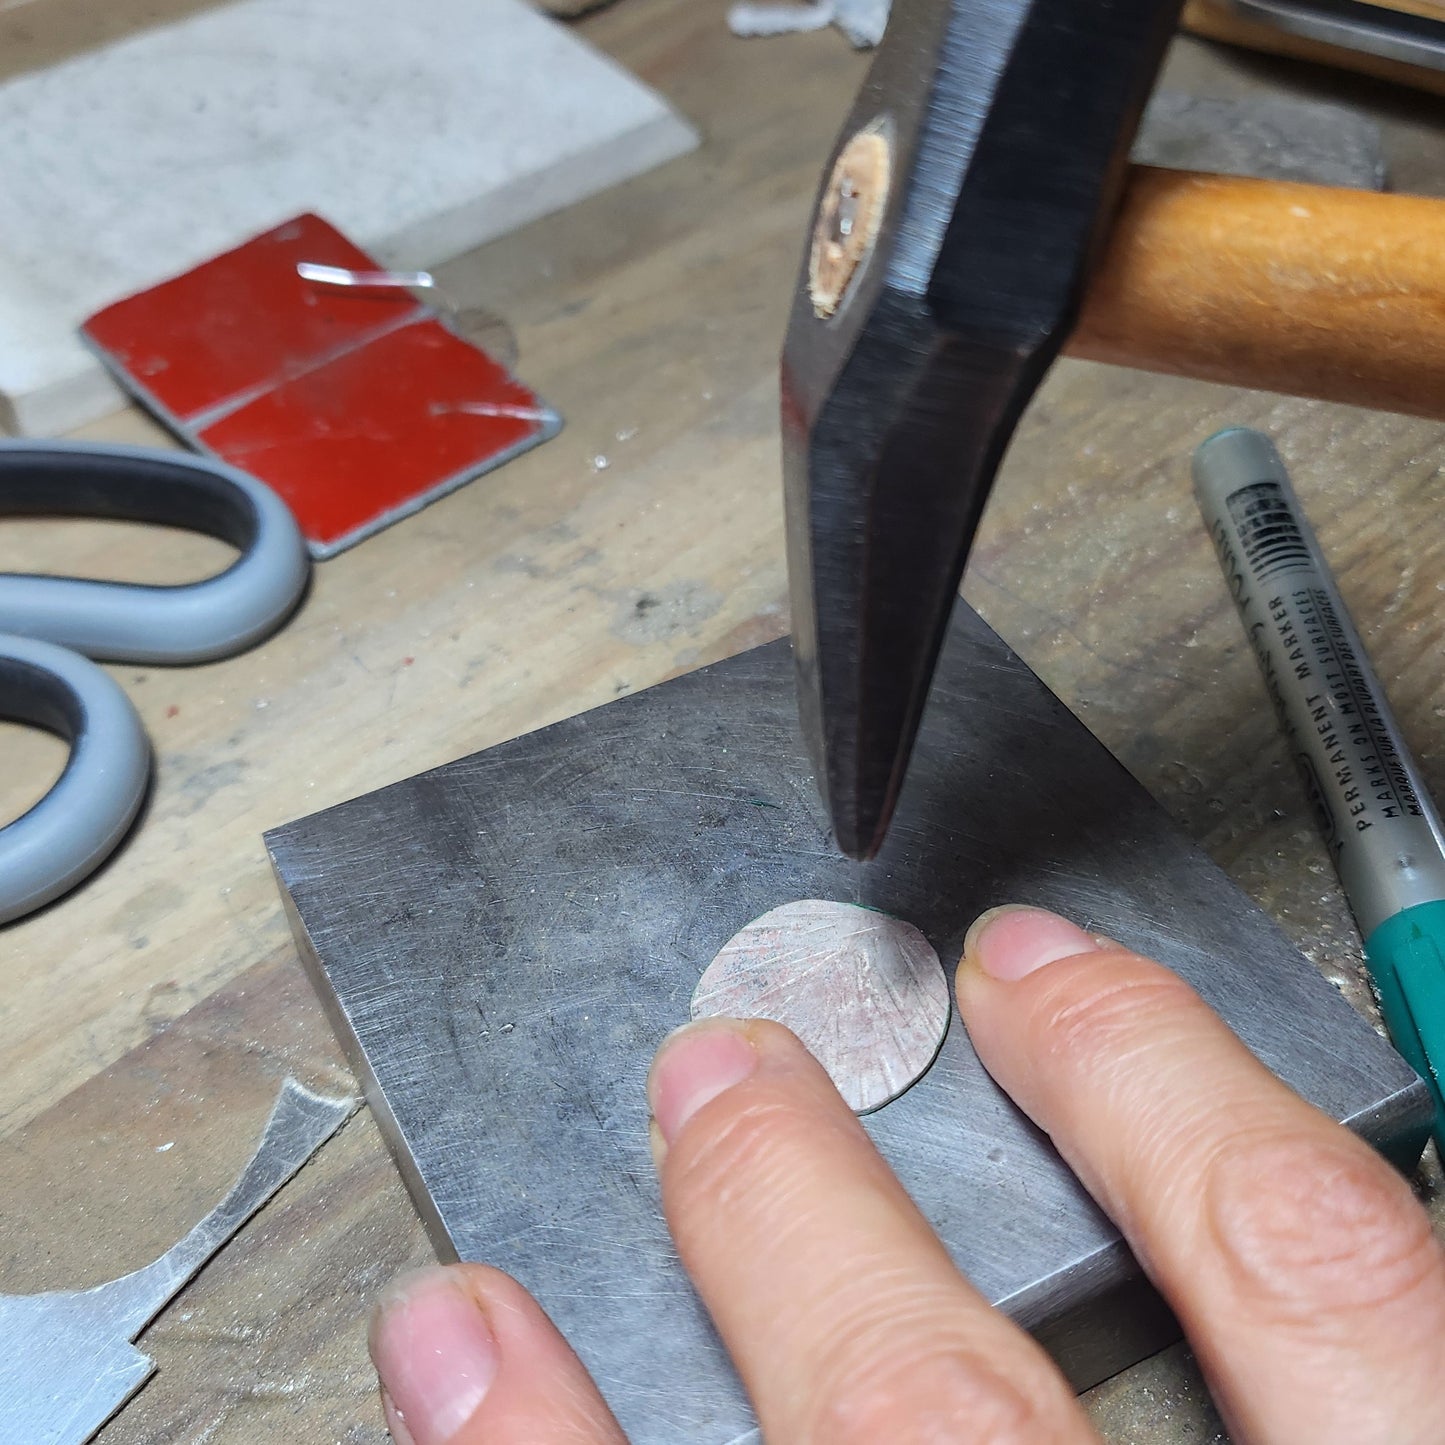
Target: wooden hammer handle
[(1336, 294)]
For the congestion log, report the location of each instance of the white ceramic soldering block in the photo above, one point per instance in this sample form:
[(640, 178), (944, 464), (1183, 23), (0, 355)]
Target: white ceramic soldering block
[(419, 129)]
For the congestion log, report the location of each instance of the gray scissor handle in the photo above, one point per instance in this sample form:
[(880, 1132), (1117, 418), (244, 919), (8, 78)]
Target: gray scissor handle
[(76, 825), (130, 622), (71, 830)]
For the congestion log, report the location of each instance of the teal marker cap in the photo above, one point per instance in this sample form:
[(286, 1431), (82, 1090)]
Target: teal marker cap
[(1406, 956)]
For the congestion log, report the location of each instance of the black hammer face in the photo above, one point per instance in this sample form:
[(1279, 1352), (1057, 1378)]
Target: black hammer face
[(957, 223)]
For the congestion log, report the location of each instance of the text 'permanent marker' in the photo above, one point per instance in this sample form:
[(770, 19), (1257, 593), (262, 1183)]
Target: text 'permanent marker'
[(1384, 833)]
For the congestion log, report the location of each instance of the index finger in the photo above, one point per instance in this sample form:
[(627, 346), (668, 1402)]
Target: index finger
[(841, 1308)]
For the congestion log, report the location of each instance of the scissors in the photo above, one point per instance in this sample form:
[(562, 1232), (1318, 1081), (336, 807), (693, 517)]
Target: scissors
[(53, 631)]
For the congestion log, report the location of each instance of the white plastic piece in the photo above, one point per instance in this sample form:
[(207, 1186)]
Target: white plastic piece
[(862, 21), (420, 130)]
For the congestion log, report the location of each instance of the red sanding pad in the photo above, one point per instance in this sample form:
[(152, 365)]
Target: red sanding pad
[(356, 406)]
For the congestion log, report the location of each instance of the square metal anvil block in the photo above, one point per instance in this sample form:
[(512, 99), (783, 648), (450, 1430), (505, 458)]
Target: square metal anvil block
[(501, 944)]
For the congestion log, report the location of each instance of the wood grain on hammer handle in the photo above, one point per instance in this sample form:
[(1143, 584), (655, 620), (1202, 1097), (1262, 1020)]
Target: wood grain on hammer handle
[(1311, 290)]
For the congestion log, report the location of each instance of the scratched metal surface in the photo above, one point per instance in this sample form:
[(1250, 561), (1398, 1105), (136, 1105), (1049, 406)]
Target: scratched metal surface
[(502, 942)]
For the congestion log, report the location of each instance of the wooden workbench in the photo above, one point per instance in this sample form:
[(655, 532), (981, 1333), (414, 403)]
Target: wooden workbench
[(147, 1018)]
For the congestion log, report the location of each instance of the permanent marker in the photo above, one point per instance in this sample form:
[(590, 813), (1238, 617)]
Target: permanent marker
[(1383, 832)]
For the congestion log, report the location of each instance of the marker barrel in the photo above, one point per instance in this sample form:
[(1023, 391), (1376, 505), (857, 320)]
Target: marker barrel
[(1382, 830)]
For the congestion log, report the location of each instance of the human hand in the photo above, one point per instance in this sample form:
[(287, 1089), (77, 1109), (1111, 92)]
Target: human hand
[(1304, 1272)]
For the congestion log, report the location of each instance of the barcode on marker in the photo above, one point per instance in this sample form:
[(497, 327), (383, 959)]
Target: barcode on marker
[(1268, 532)]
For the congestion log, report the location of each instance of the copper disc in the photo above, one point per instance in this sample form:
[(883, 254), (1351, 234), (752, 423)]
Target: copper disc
[(864, 992)]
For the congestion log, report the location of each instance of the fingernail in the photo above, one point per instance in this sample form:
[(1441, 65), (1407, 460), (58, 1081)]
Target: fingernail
[(694, 1065), (434, 1354), (1009, 943), (395, 1424)]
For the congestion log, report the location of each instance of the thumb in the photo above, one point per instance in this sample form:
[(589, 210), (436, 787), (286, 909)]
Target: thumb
[(465, 1355)]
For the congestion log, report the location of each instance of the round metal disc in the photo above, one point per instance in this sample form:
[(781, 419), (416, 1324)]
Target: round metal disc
[(864, 992)]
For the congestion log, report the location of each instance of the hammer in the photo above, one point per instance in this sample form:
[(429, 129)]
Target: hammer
[(979, 215)]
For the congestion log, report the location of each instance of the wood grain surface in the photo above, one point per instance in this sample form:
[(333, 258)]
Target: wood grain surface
[(1313, 290), (161, 1001)]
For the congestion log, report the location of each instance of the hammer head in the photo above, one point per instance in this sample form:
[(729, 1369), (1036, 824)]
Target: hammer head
[(955, 228)]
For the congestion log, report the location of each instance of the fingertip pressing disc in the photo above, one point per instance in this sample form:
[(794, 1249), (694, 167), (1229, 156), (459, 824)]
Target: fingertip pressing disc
[(864, 991)]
